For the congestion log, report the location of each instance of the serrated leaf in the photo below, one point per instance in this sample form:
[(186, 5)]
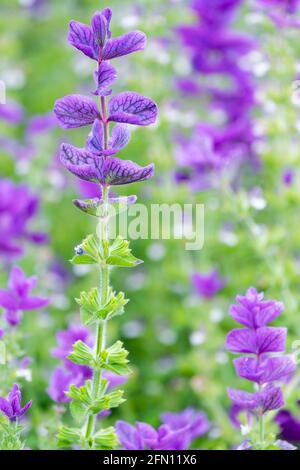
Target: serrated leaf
[(105, 439), (115, 359), (92, 309), (120, 254), (68, 436), (91, 252), (82, 354), (112, 400)]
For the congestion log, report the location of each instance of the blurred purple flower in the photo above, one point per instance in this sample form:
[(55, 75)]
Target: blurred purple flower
[(195, 421), (288, 177), (41, 123), (258, 339), (17, 298), (281, 12), (11, 406), (208, 285), (17, 207), (289, 426), (177, 432), (216, 51), (12, 113)]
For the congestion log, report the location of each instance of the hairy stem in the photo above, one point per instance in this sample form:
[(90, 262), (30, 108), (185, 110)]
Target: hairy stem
[(100, 343)]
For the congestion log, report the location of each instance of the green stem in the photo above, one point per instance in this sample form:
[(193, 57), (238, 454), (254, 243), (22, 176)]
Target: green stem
[(104, 285), (261, 431)]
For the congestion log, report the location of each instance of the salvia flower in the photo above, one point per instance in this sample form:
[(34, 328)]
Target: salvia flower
[(17, 298), (207, 285), (260, 343), (176, 433), (217, 54), (17, 207), (96, 162), (11, 406)]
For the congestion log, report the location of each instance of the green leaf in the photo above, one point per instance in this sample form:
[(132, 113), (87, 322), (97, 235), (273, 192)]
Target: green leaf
[(115, 359), (112, 400), (92, 309), (82, 354), (91, 253), (78, 411), (105, 439), (68, 436), (82, 394), (119, 254), (82, 259)]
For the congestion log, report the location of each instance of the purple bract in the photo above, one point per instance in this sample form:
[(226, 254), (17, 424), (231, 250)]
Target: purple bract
[(11, 406), (259, 340)]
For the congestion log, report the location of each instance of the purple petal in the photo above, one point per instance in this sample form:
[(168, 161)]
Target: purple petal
[(270, 339), (271, 398), (99, 27), (241, 340), (79, 162), (75, 111), (128, 436), (95, 140), (25, 408), (117, 172), (123, 45), (265, 371), (108, 170), (253, 311), (105, 76), (242, 399), (81, 36), (18, 282), (262, 340), (107, 12), (132, 108), (8, 300), (6, 407), (146, 431), (120, 136), (32, 303), (13, 317)]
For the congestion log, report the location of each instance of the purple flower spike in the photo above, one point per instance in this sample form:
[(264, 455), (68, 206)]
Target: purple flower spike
[(17, 299), (132, 108), (75, 111), (11, 406), (259, 340), (104, 170), (123, 45)]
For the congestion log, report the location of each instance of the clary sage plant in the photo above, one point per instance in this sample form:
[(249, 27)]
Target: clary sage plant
[(96, 162)]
